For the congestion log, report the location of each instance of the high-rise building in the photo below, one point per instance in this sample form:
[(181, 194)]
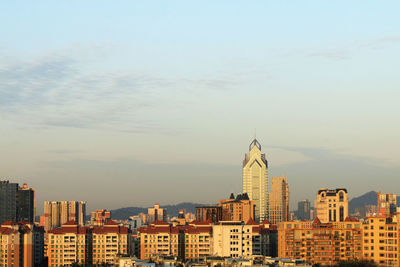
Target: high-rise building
[(255, 179), (99, 217), (332, 205), (279, 200), (239, 209), (57, 213), (16, 203), (209, 213), (303, 210), (156, 214), (386, 204)]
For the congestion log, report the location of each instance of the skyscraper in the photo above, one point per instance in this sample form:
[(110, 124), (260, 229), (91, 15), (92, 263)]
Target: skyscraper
[(16, 203), (303, 210), (255, 179), (279, 200), (57, 213)]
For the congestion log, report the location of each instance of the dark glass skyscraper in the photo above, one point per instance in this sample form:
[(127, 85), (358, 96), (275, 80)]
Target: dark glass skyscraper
[(8, 203), (16, 203), (303, 211)]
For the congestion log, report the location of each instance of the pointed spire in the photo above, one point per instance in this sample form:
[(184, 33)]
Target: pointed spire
[(232, 196)]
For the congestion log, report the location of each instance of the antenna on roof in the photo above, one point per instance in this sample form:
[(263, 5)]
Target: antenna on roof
[(255, 133)]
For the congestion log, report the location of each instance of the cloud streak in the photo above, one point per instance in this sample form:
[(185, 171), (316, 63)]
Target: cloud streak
[(53, 91)]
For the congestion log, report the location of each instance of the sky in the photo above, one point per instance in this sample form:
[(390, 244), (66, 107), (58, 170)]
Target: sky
[(128, 103)]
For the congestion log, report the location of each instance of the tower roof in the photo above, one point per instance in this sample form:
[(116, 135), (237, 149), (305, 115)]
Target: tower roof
[(254, 143)]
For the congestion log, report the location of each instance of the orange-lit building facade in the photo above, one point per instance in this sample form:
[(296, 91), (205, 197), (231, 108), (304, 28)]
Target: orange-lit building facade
[(197, 240), (109, 241), (320, 243), (17, 244), (99, 217), (381, 240), (159, 238), (240, 208), (73, 243)]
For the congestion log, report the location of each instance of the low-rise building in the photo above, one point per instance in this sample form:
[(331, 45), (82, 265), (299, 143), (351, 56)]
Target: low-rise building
[(320, 243), (72, 243)]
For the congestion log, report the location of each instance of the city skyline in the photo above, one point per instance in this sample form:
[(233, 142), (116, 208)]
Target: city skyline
[(156, 99)]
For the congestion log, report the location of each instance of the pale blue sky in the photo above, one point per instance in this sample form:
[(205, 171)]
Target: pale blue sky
[(145, 101)]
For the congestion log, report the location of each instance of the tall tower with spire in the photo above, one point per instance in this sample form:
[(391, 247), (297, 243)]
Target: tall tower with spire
[(255, 179)]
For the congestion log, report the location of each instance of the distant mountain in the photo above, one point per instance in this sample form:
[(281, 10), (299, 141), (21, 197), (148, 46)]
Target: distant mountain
[(370, 198), (172, 210)]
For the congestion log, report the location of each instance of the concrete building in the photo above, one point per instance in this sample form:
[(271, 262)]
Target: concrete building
[(279, 200), (57, 213), (156, 214), (209, 213), (320, 243), (21, 244), (240, 208), (99, 217), (159, 238), (199, 240), (239, 240), (109, 241), (332, 205), (303, 210), (381, 240), (16, 203), (72, 243), (255, 180), (386, 204)]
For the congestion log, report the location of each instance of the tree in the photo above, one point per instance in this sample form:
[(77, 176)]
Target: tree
[(356, 263)]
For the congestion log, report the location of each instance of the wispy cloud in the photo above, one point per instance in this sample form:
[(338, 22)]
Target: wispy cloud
[(346, 51), (54, 91)]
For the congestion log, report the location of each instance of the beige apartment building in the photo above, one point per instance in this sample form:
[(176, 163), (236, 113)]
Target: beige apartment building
[(381, 240), (320, 243), (332, 205), (21, 244), (255, 180), (197, 240), (239, 240), (279, 200), (108, 241), (240, 208), (159, 238), (72, 243)]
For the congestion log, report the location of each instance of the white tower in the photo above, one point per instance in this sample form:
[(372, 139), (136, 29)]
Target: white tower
[(255, 180)]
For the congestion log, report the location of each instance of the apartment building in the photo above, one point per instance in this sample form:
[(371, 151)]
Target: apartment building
[(381, 240), (73, 243), (109, 241), (57, 213), (320, 243), (197, 240), (239, 240), (159, 238), (69, 244), (20, 244), (240, 208)]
